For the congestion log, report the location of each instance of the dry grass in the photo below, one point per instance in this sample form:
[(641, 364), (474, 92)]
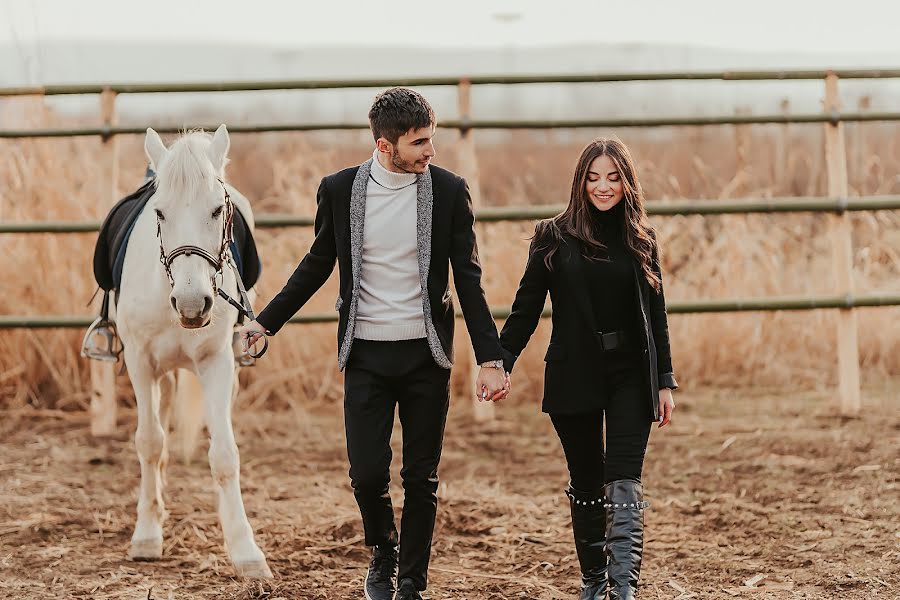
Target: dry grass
[(716, 257)]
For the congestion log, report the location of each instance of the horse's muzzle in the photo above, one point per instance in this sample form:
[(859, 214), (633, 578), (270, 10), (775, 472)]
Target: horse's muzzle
[(191, 313)]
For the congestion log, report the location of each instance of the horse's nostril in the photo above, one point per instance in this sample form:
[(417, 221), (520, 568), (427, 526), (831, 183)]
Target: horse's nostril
[(172, 301), (207, 304)]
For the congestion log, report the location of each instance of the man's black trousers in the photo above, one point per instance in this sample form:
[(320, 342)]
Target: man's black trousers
[(379, 377)]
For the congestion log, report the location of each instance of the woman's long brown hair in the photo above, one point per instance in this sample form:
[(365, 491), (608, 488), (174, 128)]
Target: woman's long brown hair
[(575, 220)]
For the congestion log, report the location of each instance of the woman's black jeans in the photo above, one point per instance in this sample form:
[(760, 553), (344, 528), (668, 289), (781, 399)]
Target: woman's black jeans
[(628, 424)]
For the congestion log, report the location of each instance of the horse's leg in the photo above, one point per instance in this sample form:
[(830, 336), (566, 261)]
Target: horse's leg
[(217, 374), (146, 543), (189, 413), (167, 387)]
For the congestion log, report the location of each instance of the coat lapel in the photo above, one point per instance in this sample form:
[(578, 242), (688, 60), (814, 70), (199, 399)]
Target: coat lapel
[(424, 219), (576, 275), (424, 227), (640, 286), (358, 218), (357, 231)]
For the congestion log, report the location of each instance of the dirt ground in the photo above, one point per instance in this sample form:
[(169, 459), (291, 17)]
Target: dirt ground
[(763, 495)]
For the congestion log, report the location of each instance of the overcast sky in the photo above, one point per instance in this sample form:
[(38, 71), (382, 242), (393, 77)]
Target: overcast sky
[(862, 26)]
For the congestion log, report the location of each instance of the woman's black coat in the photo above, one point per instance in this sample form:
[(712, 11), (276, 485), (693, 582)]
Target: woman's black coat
[(571, 376)]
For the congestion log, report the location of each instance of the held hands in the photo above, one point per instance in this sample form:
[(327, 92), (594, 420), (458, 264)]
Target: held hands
[(491, 384), (666, 406), (250, 334)]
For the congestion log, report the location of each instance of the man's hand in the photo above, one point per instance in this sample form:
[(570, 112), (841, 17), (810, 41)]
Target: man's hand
[(491, 384), (250, 333)]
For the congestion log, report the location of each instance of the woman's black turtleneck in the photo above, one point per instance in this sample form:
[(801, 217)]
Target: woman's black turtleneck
[(610, 279)]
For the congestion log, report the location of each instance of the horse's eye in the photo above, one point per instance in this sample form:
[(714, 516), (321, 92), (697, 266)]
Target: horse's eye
[(159, 215), (217, 212)]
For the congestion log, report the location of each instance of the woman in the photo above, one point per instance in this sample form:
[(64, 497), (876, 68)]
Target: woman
[(608, 357)]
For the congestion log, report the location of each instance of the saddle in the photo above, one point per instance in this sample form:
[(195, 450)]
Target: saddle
[(101, 342), (109, 253)]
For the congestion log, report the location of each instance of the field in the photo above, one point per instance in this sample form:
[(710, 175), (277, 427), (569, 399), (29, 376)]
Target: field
[(773, 489)]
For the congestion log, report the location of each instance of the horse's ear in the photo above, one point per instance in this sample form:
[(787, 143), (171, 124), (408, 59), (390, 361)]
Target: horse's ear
[(154, 148), (218, 149)]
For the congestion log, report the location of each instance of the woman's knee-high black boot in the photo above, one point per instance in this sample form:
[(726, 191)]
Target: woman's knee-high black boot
[(589, 527), (624, 536)]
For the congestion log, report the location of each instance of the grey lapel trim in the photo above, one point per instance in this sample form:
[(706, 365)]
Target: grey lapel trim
[(424, 219), (357, 228)]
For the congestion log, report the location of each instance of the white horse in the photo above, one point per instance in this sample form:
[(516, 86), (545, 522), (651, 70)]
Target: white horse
[(169, 318)]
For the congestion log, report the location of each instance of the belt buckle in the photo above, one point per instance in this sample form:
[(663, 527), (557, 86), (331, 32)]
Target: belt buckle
[(608, 341)]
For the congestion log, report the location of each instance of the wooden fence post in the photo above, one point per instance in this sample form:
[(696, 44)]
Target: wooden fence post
[(103, 374), (859, 147), (781, 152), (468, 161), (842, 252), (742, 141)]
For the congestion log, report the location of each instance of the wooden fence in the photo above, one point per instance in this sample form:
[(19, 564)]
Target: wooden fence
[(837, 203)]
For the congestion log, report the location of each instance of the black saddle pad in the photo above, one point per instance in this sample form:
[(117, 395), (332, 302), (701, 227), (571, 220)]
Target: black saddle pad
[(243, 249), (109, 253)]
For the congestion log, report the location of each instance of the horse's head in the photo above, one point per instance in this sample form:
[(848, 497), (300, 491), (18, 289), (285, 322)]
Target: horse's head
[(193, 212)]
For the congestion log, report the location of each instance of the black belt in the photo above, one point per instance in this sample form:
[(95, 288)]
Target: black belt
[(612, 340)]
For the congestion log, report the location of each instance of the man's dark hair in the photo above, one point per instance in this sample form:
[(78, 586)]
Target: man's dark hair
[(396, 111)]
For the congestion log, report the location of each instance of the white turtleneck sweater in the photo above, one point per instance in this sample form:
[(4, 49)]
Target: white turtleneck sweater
[(390, 292)]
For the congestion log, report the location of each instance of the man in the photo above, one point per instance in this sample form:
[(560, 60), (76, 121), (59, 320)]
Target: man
[(395, 224)]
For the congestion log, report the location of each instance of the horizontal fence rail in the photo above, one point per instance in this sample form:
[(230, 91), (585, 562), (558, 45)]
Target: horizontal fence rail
[(685, 307), (468, 124), (306, 84), (465, 124), (529, 213)]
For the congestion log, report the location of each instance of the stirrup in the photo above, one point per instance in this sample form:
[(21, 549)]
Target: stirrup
[(241, 358), (101, 342)]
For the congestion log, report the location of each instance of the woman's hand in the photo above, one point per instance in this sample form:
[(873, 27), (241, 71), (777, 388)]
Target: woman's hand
[(666, 406), (492, 384)]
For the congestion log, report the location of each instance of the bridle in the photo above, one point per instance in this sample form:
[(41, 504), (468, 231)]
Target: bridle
[(218, 262), (187, 250)]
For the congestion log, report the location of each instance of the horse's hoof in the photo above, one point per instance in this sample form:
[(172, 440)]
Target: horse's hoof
[(255, 569), (149, 549)]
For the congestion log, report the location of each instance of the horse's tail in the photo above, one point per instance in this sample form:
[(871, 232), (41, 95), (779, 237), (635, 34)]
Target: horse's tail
[(189, 415)]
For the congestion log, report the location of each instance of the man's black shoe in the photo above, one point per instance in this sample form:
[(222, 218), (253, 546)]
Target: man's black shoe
[(407, 591), (382, 575)]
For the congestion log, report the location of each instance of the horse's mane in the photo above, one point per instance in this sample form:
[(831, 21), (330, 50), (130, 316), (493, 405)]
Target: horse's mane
[(187, 170)]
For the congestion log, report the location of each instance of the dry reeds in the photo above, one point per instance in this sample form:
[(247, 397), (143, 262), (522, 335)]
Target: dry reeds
[(714, 257)]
